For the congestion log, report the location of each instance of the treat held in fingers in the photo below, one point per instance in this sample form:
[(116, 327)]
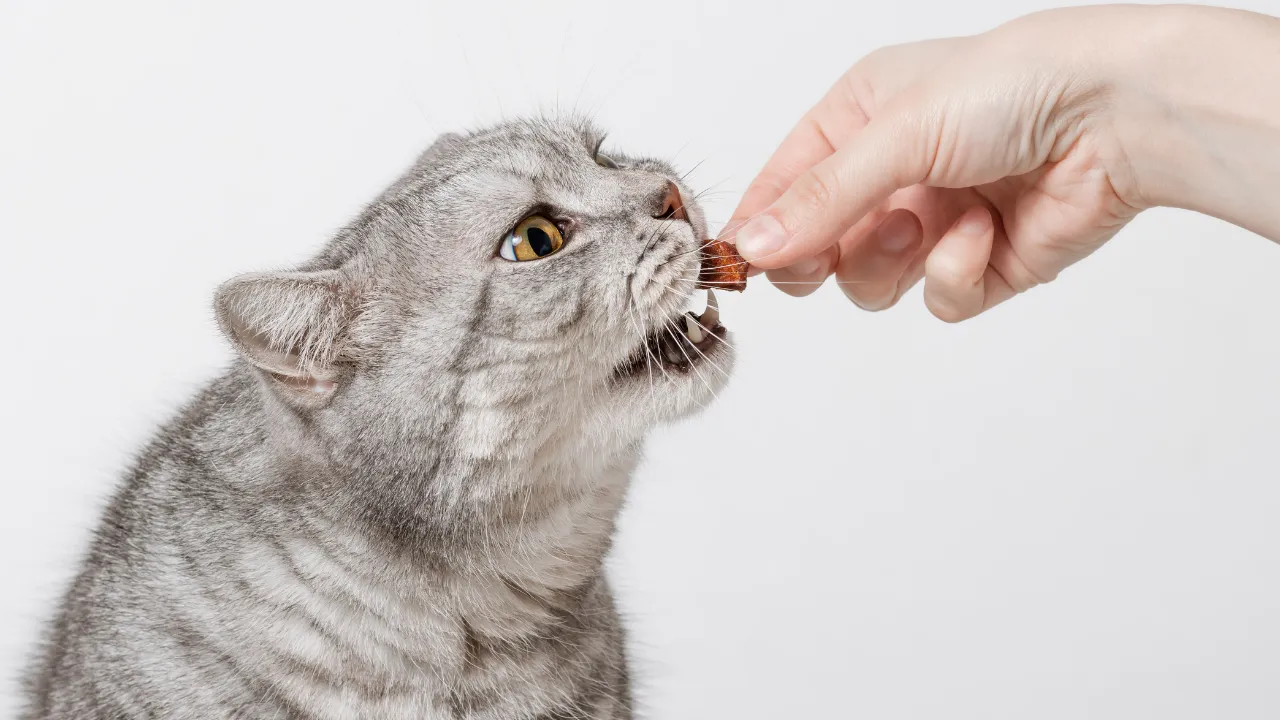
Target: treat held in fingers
[(722, 267)]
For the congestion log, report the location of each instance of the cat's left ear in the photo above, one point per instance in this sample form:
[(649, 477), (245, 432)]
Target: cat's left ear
[(291, 326)]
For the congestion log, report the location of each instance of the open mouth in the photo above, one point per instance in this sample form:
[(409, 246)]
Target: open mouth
[(680, 343)]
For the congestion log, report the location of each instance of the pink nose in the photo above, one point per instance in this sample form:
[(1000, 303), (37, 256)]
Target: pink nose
[(672, 205)]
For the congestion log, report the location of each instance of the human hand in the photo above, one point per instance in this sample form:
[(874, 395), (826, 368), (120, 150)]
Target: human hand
[(985, 165)]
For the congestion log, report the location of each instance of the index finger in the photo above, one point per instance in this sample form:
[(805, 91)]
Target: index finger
[(827, 126)]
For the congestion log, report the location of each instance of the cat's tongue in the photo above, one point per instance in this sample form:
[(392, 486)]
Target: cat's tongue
[(722, 267)]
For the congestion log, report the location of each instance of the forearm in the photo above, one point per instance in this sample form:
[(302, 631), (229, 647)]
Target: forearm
[(1203, 130)]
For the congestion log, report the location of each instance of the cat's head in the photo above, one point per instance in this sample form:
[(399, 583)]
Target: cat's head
[(516, 284)]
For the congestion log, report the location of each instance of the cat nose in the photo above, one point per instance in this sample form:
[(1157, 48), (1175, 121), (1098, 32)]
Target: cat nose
[(672, 206)]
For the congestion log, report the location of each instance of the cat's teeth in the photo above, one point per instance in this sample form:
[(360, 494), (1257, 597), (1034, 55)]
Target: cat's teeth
[(673, 355), (692, 329), (711, 316)]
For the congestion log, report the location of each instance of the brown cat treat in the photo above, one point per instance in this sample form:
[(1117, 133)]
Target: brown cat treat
[(722, 267)]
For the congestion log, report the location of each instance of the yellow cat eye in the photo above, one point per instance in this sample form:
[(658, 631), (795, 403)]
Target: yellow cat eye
[(535, 237)]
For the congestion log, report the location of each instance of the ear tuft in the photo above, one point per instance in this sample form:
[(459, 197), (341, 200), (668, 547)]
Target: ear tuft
[(289, 324)]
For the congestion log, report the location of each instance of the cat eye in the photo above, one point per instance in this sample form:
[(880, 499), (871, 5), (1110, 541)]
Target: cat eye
[(534, 238)]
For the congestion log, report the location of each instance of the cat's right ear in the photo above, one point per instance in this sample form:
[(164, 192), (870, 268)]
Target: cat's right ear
[(439, 148), (291, 326)]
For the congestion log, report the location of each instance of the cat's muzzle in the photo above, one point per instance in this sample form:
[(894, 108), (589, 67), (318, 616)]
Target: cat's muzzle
[(681, 342)]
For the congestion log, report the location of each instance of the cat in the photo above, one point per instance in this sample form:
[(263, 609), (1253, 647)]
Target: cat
[(397, 501)]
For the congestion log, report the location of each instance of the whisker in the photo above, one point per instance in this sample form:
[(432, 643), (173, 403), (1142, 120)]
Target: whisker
[(782, 282), (679, 294), (690, 170), (709, 188), (644, 340), (734, 227), (709, 360), (701, 247), (679, 150), (724, 342), (819, 282), (644, 343), (685, 295), (680, 347), (732, 265)]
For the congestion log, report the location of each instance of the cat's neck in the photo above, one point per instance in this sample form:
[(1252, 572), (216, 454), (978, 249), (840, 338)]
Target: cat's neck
[(543, 522)]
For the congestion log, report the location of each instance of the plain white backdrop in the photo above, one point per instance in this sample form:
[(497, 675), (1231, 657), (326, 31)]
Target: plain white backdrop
[(1067, 508)]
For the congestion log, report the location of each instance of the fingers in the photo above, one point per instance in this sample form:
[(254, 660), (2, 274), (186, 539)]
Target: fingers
[(836, 117), (872, 272), (805, 276), (890, 153), (961, 269), (959, 279), (805, 146)]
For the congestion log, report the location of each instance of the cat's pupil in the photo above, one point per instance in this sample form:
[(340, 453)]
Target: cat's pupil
[(539, 241)]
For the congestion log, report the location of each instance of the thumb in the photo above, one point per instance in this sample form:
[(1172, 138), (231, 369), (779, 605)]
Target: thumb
[(890, 153)]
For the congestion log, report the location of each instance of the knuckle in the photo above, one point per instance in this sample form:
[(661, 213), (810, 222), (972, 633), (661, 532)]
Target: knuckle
[(770, 183), (885, 56), (814, 193), (1026, 260), (857, 89), (1017, 273)]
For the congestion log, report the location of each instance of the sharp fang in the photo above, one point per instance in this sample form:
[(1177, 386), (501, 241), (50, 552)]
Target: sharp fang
[(672, 355), (692, 329), (711, 316)]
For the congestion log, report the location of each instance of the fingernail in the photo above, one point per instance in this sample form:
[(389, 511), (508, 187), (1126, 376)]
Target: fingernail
[(808, 266), (761, 236), (975, 222), (896, 233)]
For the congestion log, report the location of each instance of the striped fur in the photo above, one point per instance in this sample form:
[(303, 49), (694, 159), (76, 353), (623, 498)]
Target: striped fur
[(396, 504)]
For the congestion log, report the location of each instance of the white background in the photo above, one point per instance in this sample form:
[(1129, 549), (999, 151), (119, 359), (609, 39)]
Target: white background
[(1067, 508)]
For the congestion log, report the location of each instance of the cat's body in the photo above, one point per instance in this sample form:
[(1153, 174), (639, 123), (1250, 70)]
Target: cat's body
[(398, 503)]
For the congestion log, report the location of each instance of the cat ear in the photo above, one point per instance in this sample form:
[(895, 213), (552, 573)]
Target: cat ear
[(289, 325), (439, 148)]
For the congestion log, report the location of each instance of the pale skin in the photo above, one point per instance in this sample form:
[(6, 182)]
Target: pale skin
[(987, 165)]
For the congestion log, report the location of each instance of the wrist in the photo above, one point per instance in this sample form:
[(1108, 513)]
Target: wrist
[(1196, 112)]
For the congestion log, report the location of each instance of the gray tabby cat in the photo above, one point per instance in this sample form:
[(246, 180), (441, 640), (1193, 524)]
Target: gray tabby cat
[(396, 504)]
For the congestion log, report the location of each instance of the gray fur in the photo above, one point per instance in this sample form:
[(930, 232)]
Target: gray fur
[(397, 502)]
